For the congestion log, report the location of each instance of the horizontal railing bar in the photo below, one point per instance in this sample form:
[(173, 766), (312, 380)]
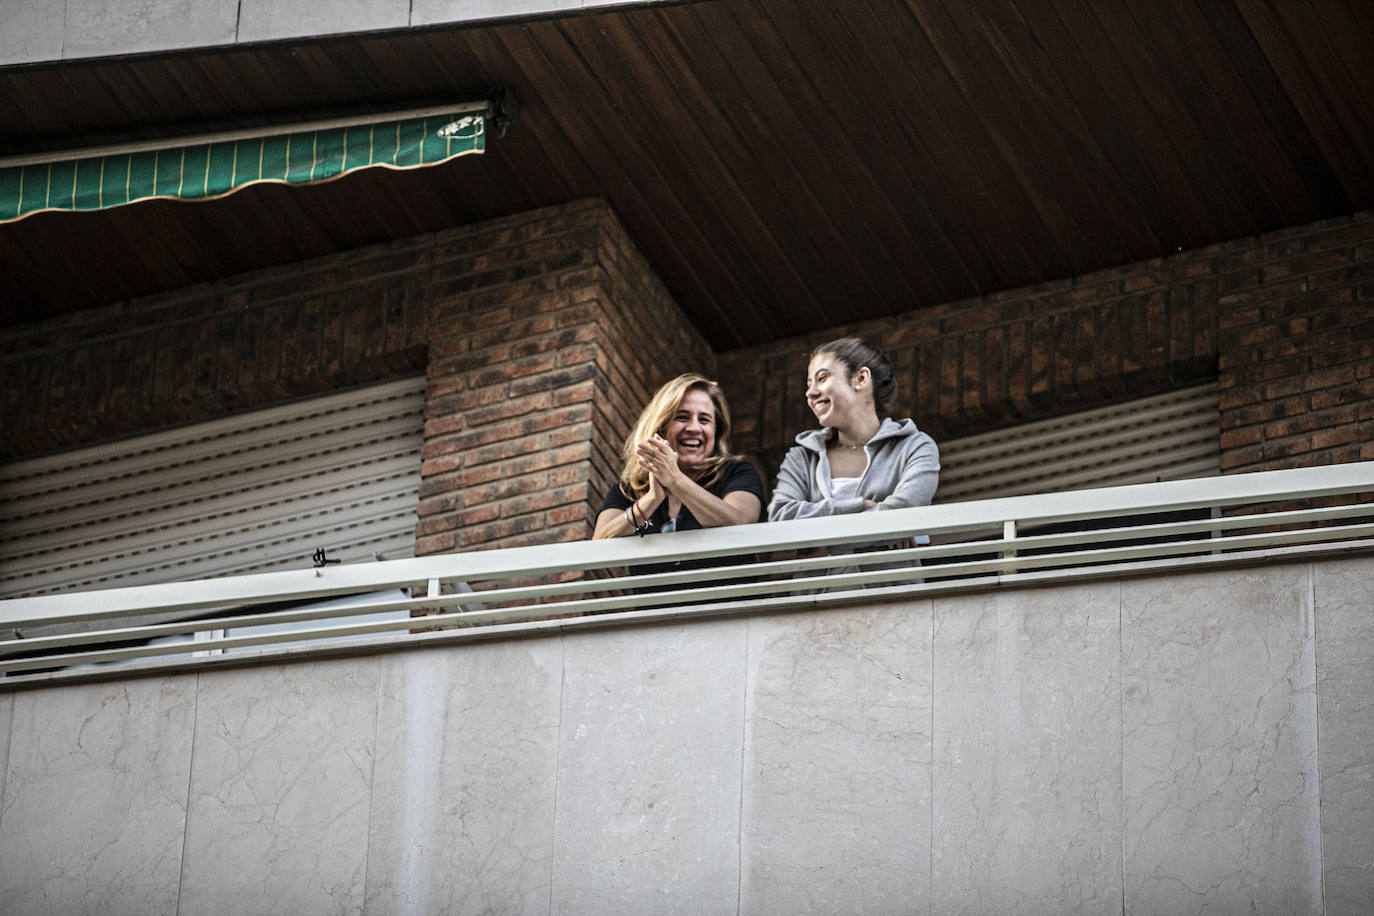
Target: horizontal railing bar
[(742, 590), (545, 626), (1266, 486), (1076, 558), (687, 576), (668, 579)]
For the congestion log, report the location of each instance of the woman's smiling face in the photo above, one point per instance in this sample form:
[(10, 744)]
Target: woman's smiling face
[(831, 394), (691, 431)]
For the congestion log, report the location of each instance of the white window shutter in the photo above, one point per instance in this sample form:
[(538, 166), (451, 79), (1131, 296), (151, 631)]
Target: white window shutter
[(254, 492), (1163, 437)]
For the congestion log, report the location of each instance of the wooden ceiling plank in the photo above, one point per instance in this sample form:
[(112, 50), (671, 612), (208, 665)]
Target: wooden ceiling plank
[(146, 245), (263, 88), (1014, 220), (382, 67), (29, 283), (824, 111), (503, 183), (1121, 158), (1266, 56), (941, 182), (1220, 165), (1067, 143), (280, 227), (630, 165), (91, 236), (541, 51), (199, 99), (1118, 71), (93, 108), (984, 103), (136, 104), (225, 73), (1349, 27), (1235, 104), (536, 148), (984, 67), (1346, 113), (759, 154), (381, 203), (24, 115), (765, 74), (343, 74), (489, 184), (344, 214), (632, 49), (1253, 111), (1361, 12), (190, 234), (839, 41)]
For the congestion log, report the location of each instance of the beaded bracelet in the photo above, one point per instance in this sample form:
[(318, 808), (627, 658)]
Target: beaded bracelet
[(639, 529)]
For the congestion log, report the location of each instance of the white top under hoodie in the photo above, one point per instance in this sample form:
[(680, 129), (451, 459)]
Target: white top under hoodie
[(903, 471)]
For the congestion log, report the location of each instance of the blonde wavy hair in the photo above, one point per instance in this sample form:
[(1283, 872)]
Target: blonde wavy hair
[(634, 478)]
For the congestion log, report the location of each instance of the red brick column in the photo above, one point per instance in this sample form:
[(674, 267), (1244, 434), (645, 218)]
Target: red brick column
[(547, 334), (1297, 349)]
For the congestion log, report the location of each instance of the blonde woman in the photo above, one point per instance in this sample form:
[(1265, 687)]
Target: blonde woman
[(678, 472)]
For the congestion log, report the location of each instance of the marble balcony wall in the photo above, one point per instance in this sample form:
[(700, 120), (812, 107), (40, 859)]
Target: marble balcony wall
[(35, 31), (1195, 743)]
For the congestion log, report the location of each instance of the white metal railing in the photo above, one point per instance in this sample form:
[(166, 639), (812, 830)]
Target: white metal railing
[(976, 545)]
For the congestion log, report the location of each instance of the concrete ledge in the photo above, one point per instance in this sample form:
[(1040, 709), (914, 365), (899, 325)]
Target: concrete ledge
[(42, 31), (1129, 745)]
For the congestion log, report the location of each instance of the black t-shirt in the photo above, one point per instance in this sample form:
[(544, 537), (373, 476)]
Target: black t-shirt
[(737, 476)]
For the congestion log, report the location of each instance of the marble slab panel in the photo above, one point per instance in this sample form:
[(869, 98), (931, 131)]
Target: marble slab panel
[(267, 20), (94, 805), (432, 12), (1344, 592), (101, 27), (836, 814), (649, 771), (1219, 712), (31, 30), (6, 716), (467, 756), (1027, 752), (281, 789)]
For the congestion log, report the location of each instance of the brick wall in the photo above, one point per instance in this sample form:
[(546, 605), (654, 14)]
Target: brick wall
[(542, 336), (544, 333), (211, 350), (547, 336), (1297, 349), (1284, 322)]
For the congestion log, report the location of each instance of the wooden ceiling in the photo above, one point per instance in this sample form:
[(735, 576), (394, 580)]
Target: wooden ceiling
[(786, 165)]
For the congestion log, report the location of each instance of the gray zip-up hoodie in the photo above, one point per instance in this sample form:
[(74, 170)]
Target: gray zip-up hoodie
[(903, 470)]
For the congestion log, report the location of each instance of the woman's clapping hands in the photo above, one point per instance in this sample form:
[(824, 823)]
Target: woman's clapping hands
[(660, 460)]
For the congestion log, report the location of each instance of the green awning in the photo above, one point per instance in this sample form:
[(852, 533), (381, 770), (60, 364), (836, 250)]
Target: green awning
[(202, 171)]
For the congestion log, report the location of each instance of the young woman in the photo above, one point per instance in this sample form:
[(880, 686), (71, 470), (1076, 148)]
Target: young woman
[(678, 471), (856, 462)]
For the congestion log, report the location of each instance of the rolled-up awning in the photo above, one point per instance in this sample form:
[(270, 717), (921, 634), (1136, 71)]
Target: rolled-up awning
[(213, 165)]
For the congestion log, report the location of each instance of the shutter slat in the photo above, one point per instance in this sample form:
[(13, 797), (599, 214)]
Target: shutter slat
[(1165, 437), (248, 493)]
